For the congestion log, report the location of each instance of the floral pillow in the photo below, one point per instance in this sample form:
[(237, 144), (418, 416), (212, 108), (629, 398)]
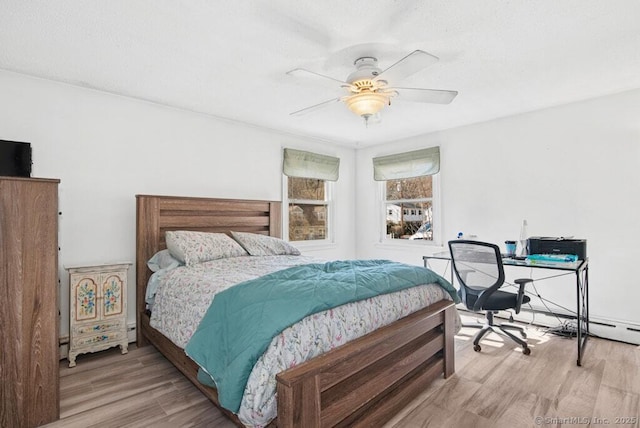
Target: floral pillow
[(192, 248), (263, 245)]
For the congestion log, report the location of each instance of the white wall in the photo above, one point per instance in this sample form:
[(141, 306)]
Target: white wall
[(569, 170), (572, 170), (105, 149)]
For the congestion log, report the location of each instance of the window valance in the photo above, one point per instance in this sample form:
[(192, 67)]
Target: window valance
[(298, 163), (417, 163)]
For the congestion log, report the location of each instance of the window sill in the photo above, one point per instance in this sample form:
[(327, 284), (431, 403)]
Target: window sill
[(407, 245)]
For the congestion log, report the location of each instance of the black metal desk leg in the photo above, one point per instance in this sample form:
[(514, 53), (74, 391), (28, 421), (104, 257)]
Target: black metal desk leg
[(582, 304), (579, 319)]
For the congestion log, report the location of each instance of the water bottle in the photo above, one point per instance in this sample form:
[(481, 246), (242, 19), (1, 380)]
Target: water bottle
[(522, 243)]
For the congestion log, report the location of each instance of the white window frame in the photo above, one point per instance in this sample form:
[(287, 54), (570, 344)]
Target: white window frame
[(437, 216), (329, 201)]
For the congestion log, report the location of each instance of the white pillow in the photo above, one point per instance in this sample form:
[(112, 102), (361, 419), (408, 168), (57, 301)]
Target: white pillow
[(163, 260), (263, 245), (192, 247)]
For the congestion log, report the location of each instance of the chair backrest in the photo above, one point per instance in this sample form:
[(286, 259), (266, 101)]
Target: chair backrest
[(478, 267)]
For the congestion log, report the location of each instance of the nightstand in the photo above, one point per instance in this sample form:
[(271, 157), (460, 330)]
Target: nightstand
[(98, 304)]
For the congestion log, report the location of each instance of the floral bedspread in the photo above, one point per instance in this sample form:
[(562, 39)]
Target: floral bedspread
[(185, 294)]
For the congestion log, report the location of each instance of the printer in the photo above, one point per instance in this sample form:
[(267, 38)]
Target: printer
[(550, 245)]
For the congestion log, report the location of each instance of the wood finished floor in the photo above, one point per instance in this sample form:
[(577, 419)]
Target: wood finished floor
[(499, 387)]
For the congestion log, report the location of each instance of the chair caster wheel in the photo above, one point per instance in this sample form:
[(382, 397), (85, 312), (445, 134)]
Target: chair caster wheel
[(526, 351), (477, 348)]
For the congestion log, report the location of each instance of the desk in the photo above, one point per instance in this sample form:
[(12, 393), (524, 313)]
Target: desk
[(581, 270)]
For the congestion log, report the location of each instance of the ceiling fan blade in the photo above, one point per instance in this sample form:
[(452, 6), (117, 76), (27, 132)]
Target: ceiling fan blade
[(302, 72), (421, 95), (314, 107), (410, 64)]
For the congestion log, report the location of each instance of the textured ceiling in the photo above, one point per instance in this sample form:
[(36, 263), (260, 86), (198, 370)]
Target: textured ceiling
[(229, 58)]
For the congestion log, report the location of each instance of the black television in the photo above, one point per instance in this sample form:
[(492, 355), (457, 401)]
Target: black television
[(15, 159)]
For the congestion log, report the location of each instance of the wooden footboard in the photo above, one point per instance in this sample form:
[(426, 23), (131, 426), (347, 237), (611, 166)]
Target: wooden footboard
[(362, 383), (367, 381)]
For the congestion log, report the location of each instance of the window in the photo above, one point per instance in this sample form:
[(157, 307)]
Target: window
[(408, 193), (308, 190), (308, 208), (409, 206)]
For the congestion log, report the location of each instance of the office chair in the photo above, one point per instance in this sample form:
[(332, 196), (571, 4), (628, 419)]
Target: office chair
[(478, 267)]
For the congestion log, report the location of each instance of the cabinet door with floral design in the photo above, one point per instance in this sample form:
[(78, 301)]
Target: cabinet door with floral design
[(86, 297), (112, 289)]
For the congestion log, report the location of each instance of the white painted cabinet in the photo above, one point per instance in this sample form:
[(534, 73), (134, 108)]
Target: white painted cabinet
[(98, 302)]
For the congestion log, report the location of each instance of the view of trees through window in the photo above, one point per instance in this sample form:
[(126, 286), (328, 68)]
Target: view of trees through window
[(409, 208), (308, 209)]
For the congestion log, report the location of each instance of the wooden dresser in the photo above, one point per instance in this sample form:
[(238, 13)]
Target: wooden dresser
[(29, 322)]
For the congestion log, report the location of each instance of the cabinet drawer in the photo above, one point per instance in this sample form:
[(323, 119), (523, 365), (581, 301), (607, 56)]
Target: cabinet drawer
[(98, 327), (94, 339)]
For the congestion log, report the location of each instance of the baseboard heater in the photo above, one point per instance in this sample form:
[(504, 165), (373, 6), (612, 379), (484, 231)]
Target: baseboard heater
[(607, 329)]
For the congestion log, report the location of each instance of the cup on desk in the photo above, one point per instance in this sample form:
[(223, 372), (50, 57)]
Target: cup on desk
[(510, 248)]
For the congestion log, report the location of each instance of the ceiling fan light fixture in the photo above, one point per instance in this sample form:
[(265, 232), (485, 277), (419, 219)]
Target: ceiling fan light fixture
[(366, 103)]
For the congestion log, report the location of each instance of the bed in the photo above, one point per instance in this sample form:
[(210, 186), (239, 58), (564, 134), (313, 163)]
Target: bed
[(363, 382)]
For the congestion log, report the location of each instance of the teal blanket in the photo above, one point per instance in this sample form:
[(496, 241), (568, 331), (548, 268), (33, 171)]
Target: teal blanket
[(242, 320)]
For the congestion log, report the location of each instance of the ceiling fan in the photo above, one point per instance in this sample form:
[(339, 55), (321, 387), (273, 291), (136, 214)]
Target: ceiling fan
[(370, 88)]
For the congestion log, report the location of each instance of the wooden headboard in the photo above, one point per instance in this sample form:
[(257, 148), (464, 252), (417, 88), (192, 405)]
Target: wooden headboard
[(157, 214)]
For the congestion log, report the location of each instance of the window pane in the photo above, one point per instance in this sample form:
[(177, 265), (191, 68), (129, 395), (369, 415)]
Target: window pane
[(409, 220), (410, 188), (307, 222), (306, 188)]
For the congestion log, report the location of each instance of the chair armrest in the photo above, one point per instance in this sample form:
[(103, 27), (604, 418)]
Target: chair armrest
[(521, 282)]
